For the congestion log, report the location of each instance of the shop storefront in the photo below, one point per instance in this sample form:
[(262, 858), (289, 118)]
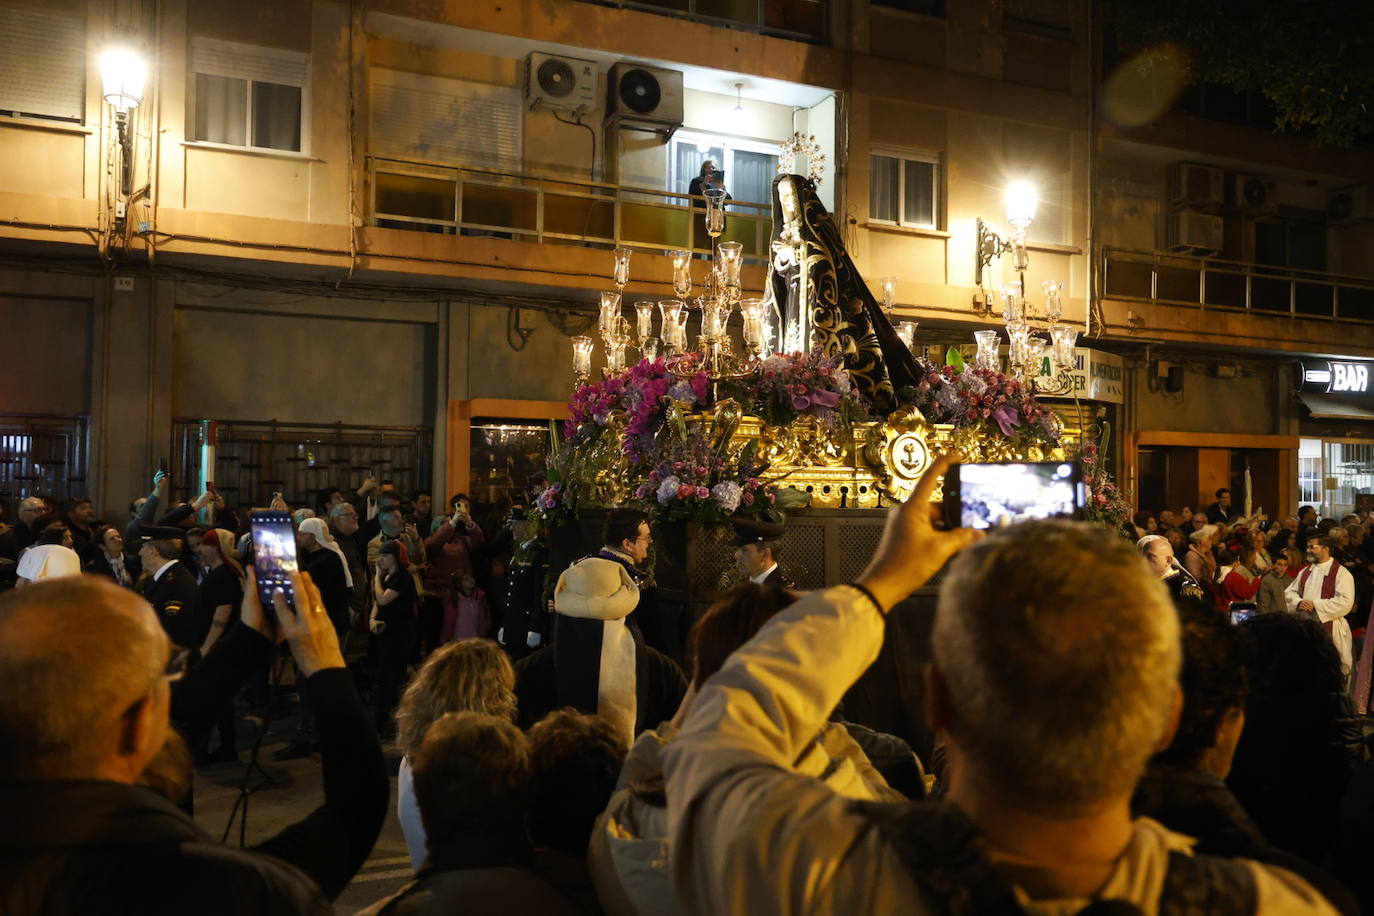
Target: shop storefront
[(1336, 451), (1095, 397)]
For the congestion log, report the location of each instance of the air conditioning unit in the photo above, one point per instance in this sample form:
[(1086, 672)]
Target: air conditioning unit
[(1192, 184), (1350, 205), (645, 98), (1254, 196), (562, 83), (1193, 232)]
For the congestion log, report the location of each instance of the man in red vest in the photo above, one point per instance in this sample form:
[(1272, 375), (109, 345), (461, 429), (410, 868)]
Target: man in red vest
[(1326, 590)]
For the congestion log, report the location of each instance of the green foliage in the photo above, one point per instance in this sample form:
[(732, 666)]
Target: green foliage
[(1313, 60)]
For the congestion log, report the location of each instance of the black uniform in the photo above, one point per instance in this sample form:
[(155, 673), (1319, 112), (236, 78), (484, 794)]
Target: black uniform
[(175, 597)]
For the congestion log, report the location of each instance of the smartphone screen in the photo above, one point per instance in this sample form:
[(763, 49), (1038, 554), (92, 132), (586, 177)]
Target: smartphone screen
[(1239, 613), (274, 554), (995, 495)]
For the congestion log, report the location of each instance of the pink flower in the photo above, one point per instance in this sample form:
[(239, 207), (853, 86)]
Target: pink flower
[(747, 498), (686, 491), (703, 493)]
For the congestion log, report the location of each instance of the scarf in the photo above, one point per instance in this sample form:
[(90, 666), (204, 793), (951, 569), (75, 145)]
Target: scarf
[(320, 530), (595, 651)]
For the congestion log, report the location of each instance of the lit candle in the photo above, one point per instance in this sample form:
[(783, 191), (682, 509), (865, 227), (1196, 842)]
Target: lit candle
[(644, 318), (906, 330), (582, 357), (622, 266), (1054, 308)]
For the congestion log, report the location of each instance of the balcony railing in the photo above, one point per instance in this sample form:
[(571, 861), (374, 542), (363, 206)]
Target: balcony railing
[(1212, 283), (428, 197)]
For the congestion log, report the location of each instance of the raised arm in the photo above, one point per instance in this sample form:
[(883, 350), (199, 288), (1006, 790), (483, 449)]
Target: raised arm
[(735, 809)]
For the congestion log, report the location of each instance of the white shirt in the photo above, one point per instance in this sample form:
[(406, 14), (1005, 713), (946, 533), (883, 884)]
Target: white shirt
[(758, 580), (1333, 609), (48, 561), (408, 813), (163, 568)]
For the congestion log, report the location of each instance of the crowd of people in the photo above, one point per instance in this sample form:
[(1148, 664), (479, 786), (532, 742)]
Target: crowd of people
[(1117, 729)]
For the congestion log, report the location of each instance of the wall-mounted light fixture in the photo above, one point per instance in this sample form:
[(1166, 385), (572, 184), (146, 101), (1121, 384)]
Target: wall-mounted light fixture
[(123, 78)]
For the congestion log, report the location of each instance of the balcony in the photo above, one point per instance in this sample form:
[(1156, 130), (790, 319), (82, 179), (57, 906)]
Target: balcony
[(427, 197), (1235, 286)]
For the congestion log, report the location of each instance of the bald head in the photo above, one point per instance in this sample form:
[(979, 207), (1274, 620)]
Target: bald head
[(81, 660)]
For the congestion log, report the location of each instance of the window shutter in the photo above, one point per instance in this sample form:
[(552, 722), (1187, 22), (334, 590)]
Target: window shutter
[(247, 62), (435, 119), (43, 65)]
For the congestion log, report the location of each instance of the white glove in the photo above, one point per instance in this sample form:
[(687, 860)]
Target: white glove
[(501, 636), (532, 640)]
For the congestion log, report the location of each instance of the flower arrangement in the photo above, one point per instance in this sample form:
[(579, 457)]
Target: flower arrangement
[(788, 386), (639, 394), (693, 481), (1103, 501), (969, 397)]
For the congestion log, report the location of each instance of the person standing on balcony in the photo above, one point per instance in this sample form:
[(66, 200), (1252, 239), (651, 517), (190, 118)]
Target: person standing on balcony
[(709, 178)]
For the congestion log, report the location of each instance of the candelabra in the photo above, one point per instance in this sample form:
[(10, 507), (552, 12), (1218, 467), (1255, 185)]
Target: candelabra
[(1027, 349), (721, 291)]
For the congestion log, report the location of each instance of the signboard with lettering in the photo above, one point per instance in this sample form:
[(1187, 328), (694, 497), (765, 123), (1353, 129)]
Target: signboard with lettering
[(1336, 377), (1097, 376)]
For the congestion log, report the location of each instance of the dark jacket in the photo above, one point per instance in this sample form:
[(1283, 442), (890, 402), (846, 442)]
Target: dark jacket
[(659, 684), (95, 847), (477, 877), (327, 572), (1198, 804), (1292, 765), (174, 597), (99, 565)]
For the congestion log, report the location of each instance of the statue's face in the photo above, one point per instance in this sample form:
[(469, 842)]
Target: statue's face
[(787, 195)]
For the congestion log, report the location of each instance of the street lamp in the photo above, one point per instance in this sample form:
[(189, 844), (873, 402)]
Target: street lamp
[(123, 77), (1021, 200)]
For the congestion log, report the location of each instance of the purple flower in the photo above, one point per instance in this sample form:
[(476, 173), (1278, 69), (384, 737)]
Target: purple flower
[(1006, 418), (667, 490), (727, 495), (800, 402), (827, 399)]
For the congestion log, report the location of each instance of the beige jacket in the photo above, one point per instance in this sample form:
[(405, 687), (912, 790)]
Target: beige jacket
[(749, 835), (628, 855)]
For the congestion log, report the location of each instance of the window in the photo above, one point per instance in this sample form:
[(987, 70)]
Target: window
[(1284, 242), (248, 96), (43, 65), (436, 119), (749, 167), (904, 189)]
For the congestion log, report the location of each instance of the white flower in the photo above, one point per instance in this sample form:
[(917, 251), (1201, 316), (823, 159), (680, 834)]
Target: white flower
[(667, 490), (727, 495)]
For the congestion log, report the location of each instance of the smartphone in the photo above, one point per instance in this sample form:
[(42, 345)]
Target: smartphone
[(1241, 611), (998, 494), (274, 554)]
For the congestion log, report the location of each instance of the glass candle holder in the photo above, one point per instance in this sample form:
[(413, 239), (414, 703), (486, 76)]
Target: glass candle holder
[(1018, 334), (1035, 357), (582, 357), (1062, 340), (622, 266), (610, 311), (715, 211), (1013, 305), (644, 318), (1054, 304), (682, 273), (615, 359), (889, 288), (731, 258), (906, 332), (648, 348), (988, 344)]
